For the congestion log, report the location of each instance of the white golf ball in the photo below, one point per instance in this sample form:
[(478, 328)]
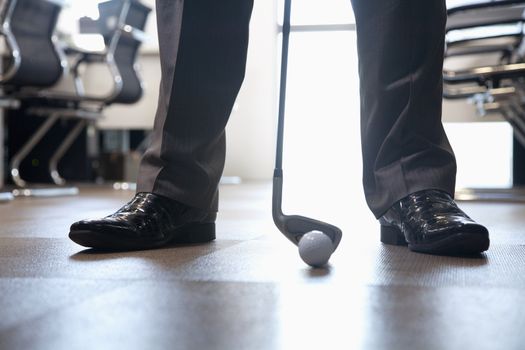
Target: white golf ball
[(315, 248)]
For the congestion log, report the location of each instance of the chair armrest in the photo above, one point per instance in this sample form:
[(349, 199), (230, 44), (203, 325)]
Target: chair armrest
[(453, 51), (481, 74), (488, 17), (483, 4), (84, 56), (450, 93)]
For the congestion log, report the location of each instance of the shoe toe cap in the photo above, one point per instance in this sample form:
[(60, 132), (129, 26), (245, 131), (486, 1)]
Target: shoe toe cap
[(81, 225), (100, 225)]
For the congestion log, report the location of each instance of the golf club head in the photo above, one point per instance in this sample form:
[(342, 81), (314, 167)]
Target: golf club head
[(295, 226)]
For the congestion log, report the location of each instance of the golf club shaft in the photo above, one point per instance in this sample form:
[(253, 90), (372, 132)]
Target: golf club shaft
[(282, 90)]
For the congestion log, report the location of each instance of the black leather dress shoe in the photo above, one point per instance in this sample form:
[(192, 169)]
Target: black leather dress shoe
[(147, 221), (430, 222)]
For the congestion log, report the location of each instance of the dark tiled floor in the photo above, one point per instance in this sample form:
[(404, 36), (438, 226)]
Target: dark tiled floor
[(249, 289)]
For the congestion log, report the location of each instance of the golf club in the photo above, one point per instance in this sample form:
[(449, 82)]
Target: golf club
[(292, 226)]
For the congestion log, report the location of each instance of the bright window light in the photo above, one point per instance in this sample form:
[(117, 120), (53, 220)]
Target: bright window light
[(306, 12), (68, 22), (68, 25), (322, 151), (483, 153)]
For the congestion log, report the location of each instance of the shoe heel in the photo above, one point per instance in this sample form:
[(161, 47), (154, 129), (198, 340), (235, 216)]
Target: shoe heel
[(195, 233), (392, 235)]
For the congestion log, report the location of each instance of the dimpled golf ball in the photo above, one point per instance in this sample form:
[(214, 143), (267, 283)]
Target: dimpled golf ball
[(315, 248)]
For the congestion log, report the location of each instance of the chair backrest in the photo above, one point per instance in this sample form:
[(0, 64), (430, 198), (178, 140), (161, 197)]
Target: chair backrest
[(482, 4), (117, 19), (31, 24)]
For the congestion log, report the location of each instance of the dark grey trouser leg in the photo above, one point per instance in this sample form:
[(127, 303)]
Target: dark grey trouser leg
[(405, 149), (203, 46)]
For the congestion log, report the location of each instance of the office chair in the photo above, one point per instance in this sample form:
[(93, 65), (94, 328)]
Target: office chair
[(121, 24), (485, 30)]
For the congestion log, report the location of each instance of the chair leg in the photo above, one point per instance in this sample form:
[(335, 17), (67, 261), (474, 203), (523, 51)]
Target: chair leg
[(28, 146), (62, 149), (6, 197), (515, 117)]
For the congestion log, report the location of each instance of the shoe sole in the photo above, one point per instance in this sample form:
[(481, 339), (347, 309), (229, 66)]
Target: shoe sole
[(187, 234), (461, 243)]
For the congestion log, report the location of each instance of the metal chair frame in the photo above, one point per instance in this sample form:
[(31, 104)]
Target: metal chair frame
[(87, 109), (108, 57)]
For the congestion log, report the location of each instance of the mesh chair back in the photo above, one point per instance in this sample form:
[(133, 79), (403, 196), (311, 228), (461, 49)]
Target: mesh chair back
[(32, 25), (113, 15)]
